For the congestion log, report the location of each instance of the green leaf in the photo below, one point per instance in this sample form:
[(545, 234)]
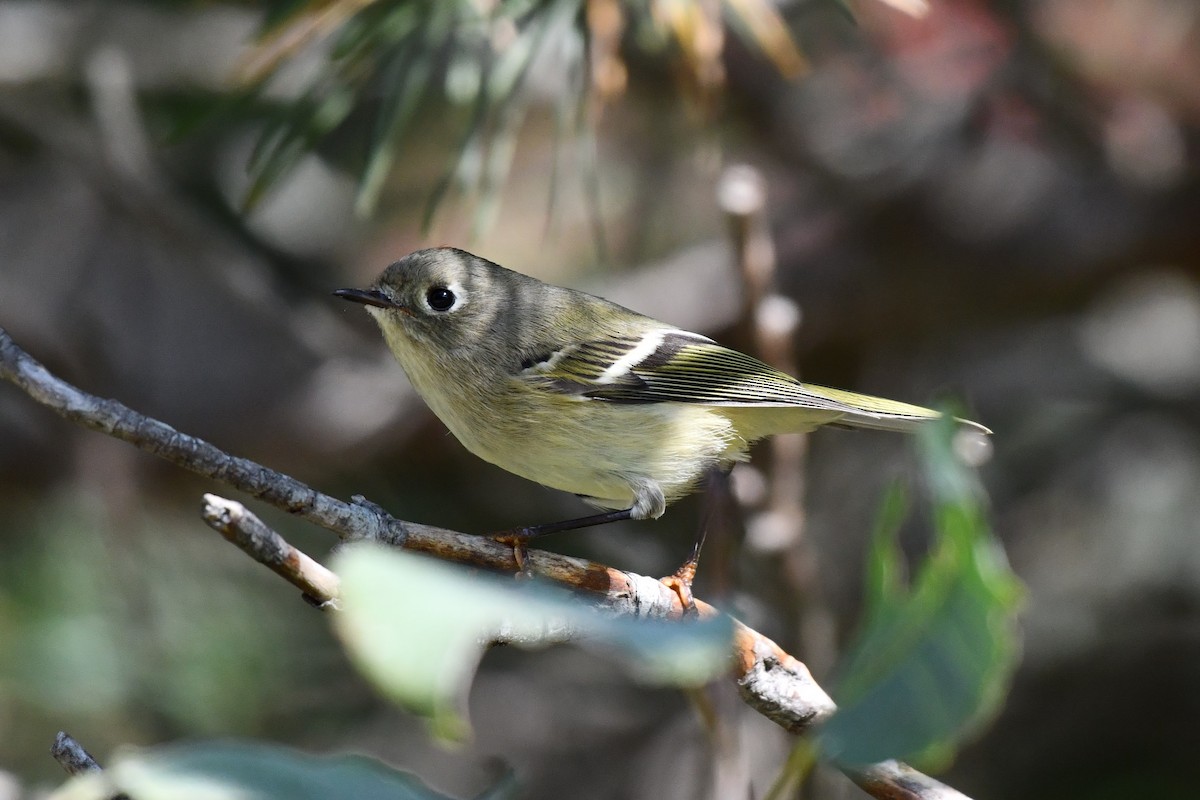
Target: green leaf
[(932, 659), (884, 583), (436, 44), (403, 94), (405, 81), (292, 135), (243, 771), (417, 629)]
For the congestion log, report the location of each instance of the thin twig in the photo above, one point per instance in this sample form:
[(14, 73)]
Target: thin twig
[(767, 328), (770, 324), (71, 756), (769, 680), (241, 527), (893, 780), (192, 453)]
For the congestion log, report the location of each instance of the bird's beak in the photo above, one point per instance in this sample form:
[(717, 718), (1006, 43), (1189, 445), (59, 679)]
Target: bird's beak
[(368, 297)]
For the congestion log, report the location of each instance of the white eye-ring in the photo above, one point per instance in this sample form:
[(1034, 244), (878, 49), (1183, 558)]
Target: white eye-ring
[(443, 299)]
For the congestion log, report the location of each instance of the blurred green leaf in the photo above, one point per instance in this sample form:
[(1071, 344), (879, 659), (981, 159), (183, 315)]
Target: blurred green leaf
[(384, 59), (884, 584), (405, 81), (932, 659), (417, 629), (243, 771), (291, 134)]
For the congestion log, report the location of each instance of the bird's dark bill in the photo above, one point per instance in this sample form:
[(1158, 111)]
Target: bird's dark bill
[(368, 297)]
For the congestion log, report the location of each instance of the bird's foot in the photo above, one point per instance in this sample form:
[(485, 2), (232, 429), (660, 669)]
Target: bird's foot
[(680, 582), (518, 540)]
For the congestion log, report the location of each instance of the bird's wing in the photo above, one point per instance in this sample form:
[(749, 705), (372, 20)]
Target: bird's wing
[(667, 365)]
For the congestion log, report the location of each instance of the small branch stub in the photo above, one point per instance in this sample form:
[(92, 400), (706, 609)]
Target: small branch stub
[(71, 756), (893, 780), (241, 527)]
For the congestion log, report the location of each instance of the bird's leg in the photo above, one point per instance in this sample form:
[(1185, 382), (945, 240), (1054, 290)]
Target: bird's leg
[(603, 518), (717, 492), (680, 581), (518, 538)]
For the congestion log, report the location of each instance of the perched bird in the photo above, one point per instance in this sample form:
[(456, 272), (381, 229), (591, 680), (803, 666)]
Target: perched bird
[(580, 394)]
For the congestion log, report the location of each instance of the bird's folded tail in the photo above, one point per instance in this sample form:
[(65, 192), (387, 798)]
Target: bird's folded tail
[(877, 413)]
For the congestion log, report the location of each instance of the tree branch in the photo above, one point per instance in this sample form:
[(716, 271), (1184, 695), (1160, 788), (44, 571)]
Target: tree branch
[(190, 452), (243, 528), (894, 780), (769, 680), (71, 756)]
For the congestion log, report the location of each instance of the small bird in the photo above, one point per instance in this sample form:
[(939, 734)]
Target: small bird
[(580, 394)]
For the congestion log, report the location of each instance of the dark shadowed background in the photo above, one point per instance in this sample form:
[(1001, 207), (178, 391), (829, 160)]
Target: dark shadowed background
[(998, 202)]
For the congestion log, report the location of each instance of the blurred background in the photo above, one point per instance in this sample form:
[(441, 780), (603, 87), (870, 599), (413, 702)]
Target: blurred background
[(997, 202)]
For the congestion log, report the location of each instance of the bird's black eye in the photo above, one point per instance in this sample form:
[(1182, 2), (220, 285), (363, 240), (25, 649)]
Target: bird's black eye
[(440, 298)]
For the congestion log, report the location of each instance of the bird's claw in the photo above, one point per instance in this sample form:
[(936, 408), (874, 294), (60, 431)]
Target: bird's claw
[(517, 539), (680, 582)]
